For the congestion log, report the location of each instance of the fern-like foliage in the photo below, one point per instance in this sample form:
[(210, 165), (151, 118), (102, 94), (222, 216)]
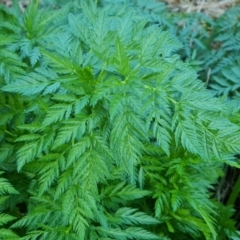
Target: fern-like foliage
[(224, 53), (228, 82), (6, 188), (117, 137)]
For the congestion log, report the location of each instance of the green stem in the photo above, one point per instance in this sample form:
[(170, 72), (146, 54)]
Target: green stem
[(235, 191)]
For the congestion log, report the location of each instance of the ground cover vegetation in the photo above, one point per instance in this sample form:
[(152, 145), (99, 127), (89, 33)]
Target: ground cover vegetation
[(118, 121)]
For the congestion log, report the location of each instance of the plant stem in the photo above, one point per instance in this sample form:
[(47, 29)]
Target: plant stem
[(235, 191)]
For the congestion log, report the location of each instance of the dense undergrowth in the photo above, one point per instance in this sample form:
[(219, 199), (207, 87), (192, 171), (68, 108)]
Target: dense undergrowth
[(118, 121)]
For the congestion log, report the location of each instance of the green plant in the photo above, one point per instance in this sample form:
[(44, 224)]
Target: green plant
[(111, 133), (5, 188), (224, 59), (211, 47)]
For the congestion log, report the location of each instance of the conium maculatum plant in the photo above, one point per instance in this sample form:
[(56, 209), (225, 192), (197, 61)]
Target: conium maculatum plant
[(105, 132)]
